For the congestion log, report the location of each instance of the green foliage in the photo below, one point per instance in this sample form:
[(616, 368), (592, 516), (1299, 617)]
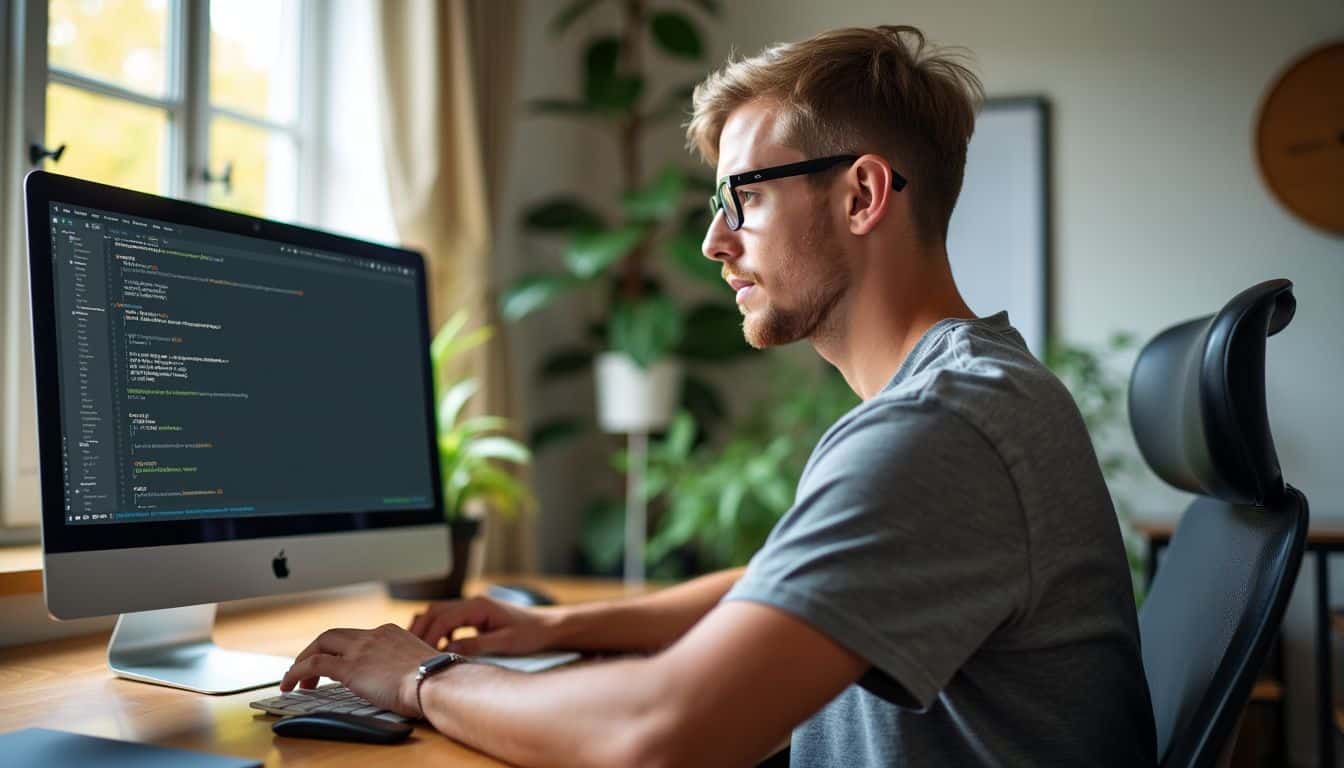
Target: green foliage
[(684, 250), (565, 362), (533, 292), (472, 451), (554, 431), (605, 87), (613, 91), (713, 333), (615, 263), (561, 214), (676, 34), (659, 201), (1095, 384), (702, 400), (646, 330), (721, 502), (589, 254), (602, 539)]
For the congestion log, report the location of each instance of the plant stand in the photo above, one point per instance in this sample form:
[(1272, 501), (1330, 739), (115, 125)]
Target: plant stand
[(635, 401), (636, 508)]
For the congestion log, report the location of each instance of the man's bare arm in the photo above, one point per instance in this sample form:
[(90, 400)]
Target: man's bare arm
[(641, 624), (725, 694)]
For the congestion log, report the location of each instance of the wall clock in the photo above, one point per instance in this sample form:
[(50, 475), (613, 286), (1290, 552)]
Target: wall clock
[(1300, 138)]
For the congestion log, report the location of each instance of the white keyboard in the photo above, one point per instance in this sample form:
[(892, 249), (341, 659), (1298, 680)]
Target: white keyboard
[(335, 697)]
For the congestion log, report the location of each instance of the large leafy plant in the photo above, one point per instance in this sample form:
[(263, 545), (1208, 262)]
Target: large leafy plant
[(473, 451), (619, 262), (716, 504)]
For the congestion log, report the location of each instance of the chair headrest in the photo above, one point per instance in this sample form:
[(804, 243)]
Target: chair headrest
[(1197, 399)]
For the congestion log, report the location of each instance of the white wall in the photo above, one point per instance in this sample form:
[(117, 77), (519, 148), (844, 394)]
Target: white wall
[(1159, 211)]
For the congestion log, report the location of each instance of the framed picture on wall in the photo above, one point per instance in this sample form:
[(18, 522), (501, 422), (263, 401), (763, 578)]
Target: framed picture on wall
[(998, 241)]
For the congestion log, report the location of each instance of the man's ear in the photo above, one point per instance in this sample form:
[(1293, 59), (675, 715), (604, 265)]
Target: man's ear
[(869, 194)]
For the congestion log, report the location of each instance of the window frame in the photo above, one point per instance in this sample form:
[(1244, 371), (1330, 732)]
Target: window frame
[(24, 76)]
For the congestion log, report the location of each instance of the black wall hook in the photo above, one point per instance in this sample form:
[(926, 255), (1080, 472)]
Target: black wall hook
[(37, 153), (225, 178)]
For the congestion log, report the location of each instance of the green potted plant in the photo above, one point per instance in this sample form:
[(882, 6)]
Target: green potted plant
[(715, 504), (638, 336), (474, 453)]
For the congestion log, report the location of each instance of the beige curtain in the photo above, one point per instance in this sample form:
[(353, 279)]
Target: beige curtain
[(447, 105)]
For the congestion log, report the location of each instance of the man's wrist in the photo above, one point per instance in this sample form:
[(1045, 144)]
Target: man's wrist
[(428, 668), (434, 691), (410, 693), (559, 625)]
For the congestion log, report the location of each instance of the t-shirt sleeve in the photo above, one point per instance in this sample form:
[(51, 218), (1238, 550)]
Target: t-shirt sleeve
[(905, 544)]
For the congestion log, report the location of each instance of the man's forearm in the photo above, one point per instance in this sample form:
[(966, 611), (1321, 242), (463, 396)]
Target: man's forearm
[(726, 694), (642, 624), (594, 714)]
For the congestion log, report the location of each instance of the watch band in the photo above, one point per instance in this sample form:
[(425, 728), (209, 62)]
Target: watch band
[(430, 667)]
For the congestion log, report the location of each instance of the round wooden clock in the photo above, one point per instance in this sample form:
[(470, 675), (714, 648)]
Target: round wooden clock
[(1300, 138)]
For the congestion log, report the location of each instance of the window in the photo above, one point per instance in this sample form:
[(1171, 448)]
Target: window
[(111, 59), (216, 102), (254, 105), (193, 99)]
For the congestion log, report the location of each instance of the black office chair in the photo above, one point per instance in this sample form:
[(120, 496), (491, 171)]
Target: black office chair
[(1197, 407)]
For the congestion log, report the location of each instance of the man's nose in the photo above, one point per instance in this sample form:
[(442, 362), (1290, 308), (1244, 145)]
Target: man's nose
[(720, 243)]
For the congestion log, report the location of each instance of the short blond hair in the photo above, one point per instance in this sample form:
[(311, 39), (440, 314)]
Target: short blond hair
[(854, 91)]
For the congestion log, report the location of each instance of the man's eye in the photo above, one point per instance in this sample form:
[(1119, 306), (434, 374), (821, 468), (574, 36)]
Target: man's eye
[(746, 195)]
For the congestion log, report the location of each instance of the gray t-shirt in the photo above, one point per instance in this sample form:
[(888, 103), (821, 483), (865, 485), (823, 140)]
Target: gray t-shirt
[(955, 532)]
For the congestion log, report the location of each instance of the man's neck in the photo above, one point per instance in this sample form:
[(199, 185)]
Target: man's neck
[(874, 329)]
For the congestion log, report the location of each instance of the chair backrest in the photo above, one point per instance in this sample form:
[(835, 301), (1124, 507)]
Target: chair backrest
[(1197, 408)]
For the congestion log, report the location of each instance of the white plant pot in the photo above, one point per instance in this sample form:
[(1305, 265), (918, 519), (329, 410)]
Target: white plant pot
[(631, 399)]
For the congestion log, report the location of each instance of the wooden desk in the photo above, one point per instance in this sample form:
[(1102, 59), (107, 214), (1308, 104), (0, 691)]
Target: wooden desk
[(66, 685)]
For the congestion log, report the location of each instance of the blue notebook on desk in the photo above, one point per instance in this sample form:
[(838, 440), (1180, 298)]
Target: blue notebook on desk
[(43, 748)]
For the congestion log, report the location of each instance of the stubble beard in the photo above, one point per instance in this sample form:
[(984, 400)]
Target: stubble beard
[(822, 287)]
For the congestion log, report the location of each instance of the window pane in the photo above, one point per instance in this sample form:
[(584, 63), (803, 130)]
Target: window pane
[(254, 57), (107, 140), (120, 41), (265, 169)]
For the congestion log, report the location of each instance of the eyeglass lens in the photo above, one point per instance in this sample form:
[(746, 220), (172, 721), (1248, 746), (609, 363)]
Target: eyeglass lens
[(731, 215)]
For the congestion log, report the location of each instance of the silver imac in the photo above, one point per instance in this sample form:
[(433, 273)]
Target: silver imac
[(227, 407)]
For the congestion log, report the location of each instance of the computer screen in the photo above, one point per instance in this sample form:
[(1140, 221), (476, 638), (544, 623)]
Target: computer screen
[(226, 406), (206, 374)]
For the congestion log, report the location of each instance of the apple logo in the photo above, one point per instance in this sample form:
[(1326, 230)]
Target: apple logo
[(280, 566)]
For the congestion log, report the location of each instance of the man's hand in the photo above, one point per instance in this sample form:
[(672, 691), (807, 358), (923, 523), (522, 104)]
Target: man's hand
[(501, 628), (379, 664)]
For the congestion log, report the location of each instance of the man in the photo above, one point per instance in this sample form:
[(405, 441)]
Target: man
[(949, 587)]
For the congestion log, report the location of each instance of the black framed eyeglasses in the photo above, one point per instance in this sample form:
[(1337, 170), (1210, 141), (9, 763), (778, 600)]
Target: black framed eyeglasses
[(725, 192)]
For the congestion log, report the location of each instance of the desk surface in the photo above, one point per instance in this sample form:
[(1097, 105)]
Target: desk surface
[(66, 684)]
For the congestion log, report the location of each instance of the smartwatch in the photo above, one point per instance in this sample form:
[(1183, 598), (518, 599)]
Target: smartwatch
[(432, 666)]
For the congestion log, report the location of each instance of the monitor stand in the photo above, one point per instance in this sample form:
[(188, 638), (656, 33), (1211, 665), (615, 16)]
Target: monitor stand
[(174, 647)]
